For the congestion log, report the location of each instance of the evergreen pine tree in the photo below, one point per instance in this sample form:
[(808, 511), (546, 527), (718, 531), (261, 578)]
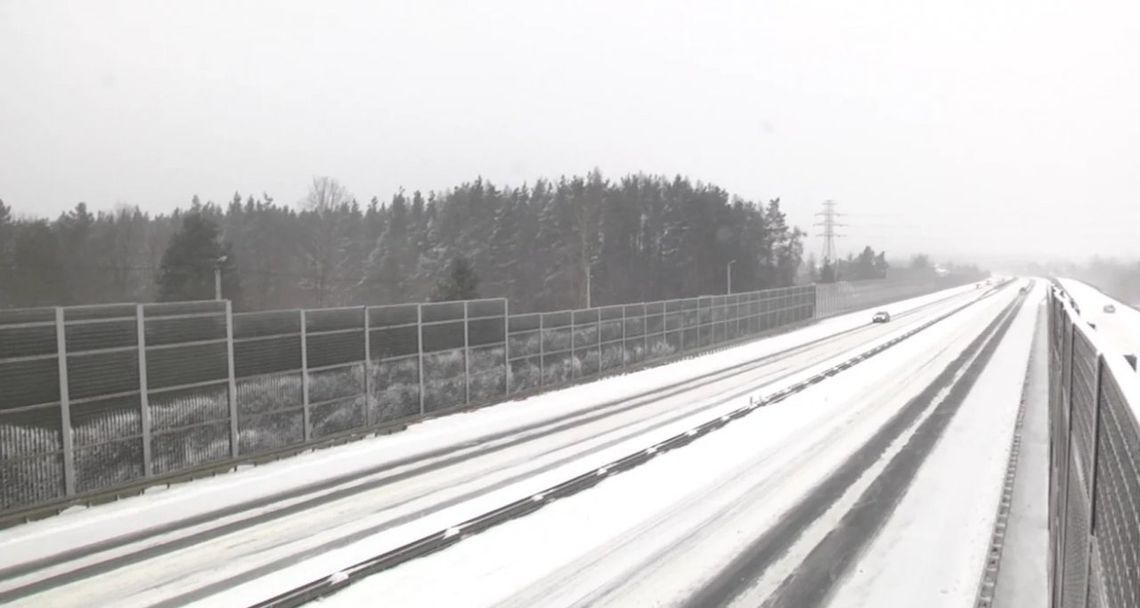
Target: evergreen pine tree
[(460, 282), (187, 270)]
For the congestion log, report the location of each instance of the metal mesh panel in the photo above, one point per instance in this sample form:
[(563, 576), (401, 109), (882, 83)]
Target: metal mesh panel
[(91, 375), (187, 447), (97, 335), (190, 427), (1083, 411), (444, 382), (181, 365), (487, 374), (338, 416), (333, 319), (267, 355), (526, 374), (557, 369), (336, 383), (268, 393), (1076, 564), (106, 419), (526, 344), (1095, 597), (30, 480), (261, 432), (20, 316), (261, 324), (584, 338), (29, 382), (394, 343), (1117, 505), (27, 341), (108, 464), (161, 331), (443, 311), (31, 456), (395, 387), (335, 348), (188, 369)]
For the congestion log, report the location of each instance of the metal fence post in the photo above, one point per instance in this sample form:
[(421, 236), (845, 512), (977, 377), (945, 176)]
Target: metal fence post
[(367, 369), (1094, 463), (644, 334), (64, 405), (420, 351), (306, 420), (699, 342), (466, 353), (1067, 408), (507, 346), (541, 350), (573, 356), (232, 388), (144, 398), (684, 323), (598, 336), (623, 363)]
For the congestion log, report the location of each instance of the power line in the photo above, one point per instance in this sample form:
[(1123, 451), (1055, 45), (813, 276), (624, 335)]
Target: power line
[(829, 224)]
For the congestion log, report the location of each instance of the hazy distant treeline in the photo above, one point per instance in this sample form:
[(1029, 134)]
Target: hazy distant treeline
[(640, 238)]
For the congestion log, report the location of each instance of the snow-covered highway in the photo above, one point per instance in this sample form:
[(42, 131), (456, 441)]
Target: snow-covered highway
[(740, 515)]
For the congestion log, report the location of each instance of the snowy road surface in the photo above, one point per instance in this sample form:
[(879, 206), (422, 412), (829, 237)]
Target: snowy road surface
[(244, 537), (668, 532)]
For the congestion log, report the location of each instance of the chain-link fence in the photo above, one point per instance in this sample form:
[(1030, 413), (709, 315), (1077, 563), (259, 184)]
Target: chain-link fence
[(98, 398), (1094, 480)]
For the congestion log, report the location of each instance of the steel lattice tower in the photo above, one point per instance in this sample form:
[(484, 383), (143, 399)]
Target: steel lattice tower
[(829, 224)]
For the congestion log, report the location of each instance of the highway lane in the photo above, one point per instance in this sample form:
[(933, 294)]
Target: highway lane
[(196, 562), (662, 534)]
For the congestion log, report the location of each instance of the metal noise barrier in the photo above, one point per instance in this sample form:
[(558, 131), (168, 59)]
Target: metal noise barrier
[(102, 401), (1094, 471)]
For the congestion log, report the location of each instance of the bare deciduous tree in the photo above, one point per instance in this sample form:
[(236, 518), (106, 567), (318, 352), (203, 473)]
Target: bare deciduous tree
[(325, 241)]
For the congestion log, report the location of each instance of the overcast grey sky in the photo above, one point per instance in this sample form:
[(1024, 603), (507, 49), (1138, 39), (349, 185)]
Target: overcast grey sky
[(966, 127)]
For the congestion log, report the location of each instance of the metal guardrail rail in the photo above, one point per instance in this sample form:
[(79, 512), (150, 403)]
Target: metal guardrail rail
[(1094, 475)]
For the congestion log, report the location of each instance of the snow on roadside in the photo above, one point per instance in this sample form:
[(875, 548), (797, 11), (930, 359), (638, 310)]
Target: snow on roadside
[(79, 527), (758, 467), (932, 550)]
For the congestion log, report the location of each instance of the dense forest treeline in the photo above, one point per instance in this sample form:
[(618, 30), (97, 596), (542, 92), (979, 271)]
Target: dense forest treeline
[(638, 238)]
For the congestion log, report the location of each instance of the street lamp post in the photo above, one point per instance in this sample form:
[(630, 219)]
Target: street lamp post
[(728, 275), (589, 302), (218, 277)]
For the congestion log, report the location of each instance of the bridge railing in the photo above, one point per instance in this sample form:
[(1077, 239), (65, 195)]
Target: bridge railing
[(1094, 477)]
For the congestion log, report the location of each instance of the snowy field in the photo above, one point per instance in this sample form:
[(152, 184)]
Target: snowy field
[(283, 551)]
